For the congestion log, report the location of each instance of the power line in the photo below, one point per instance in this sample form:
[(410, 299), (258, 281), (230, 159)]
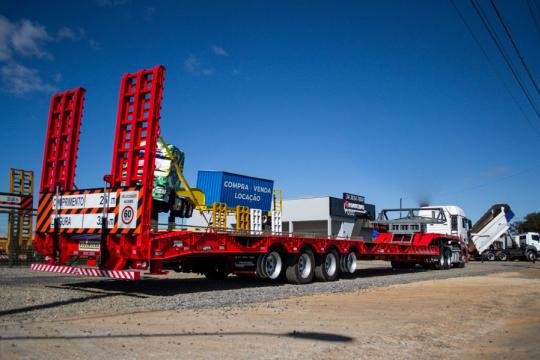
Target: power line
[(494, 68), (488, 183), (529, 6), (507, 60), (514, 45)]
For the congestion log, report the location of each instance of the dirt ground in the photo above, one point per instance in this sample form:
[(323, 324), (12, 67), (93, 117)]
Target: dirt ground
[(495, 317)]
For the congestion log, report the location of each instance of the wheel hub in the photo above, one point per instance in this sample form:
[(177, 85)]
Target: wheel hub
[(304, 266), (330, 264)]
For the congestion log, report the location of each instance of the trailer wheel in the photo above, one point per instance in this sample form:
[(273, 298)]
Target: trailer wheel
[(260, 271), (490, 256), (502, 256), (327, 269), (447, 256), (531, 255), (348, 263), (272, 265), (301, 268), (439, 264)]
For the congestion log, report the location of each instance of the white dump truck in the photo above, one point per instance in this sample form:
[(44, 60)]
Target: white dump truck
[(490, 238)]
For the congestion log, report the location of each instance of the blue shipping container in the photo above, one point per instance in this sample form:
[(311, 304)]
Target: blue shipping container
[(233, 189)]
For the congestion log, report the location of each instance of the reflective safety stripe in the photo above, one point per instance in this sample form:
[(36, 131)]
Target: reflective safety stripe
[(83, 271)]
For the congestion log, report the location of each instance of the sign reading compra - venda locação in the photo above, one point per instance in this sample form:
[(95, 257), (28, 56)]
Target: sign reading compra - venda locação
[(234, 189)]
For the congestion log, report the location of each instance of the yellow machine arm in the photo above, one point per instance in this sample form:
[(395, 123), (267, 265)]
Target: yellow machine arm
[(194, 194)]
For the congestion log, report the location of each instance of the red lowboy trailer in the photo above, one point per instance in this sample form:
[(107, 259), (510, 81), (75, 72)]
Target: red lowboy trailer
[(110, 227)]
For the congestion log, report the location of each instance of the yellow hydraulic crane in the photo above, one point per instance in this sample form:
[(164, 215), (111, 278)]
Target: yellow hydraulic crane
[(195, 195)]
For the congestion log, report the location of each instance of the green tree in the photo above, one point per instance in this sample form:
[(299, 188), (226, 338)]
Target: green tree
[(530, 223)]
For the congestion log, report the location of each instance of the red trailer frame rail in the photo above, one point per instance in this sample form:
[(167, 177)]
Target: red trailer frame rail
[(111, 226)]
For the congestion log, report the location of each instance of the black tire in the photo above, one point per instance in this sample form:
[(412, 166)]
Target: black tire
[(490, 256), (531, 255), (301, 268), (447, 253), (439, 264), (272, 265), (327, 268), (502, 256), (261, 273), (347, 263)]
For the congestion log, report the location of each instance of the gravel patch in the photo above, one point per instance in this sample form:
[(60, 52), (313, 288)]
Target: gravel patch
[(33, 296)]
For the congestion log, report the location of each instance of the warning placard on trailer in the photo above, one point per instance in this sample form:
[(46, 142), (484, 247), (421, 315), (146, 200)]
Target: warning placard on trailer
[(82, 211), (14, 201), (128, 209)]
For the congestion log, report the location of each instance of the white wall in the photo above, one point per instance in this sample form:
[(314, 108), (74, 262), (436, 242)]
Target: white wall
[(308, 209), (318, 228), (198, 220)]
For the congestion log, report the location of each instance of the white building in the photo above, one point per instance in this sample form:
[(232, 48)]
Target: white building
[(328, 216)]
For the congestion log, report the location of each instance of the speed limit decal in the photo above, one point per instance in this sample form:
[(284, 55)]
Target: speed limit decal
[(82, 211), (128, 203), (127, 215)]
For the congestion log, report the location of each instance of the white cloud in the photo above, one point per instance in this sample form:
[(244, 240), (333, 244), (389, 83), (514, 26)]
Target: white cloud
[(19, 80), (94, 44), (193, 65), (66, 33), (111, 3), (208, 71), (496, 171), (219, 51), (28, 40), (6, 30), (150, 13), (24, 38)]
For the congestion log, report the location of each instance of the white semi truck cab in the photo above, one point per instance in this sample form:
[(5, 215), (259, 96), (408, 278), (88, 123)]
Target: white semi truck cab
[(456, 223), (530, 242)]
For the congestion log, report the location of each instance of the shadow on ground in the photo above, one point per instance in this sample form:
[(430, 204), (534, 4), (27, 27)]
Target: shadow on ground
[(171, 287), (300, 335)]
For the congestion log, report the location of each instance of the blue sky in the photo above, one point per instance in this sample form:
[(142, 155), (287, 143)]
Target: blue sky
[(388, 99)]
